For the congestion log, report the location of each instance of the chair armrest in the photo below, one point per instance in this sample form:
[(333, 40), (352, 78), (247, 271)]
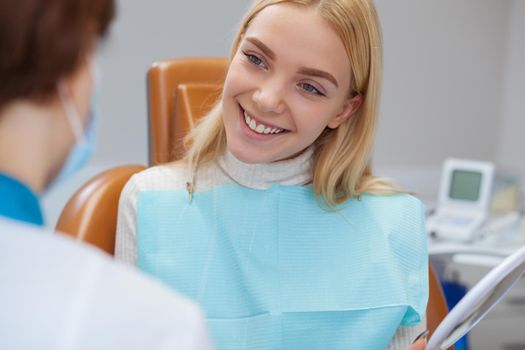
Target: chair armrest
[(90, 215)]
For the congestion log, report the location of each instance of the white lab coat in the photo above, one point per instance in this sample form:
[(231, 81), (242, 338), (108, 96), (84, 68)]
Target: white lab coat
[(56, 293)]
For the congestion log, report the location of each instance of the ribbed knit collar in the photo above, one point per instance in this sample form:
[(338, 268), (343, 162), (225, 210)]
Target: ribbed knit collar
[(294, 171)]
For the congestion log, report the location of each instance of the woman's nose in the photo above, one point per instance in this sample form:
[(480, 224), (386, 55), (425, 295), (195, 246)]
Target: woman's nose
[(269, 98)]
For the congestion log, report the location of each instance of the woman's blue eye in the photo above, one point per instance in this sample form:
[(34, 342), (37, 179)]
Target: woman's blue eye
[(254, 59), (311, 89)]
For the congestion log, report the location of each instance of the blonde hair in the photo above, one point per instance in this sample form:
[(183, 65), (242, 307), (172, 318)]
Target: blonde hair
[(341, 164)]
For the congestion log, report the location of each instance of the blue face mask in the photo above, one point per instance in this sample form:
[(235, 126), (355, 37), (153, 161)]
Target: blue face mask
[(85, 135)]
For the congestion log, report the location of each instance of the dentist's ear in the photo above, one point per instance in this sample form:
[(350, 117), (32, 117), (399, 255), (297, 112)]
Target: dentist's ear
[(349, 108), (79, 85)]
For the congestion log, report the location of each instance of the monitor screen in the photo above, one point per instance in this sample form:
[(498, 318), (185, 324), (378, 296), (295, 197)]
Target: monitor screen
[(465, 185)]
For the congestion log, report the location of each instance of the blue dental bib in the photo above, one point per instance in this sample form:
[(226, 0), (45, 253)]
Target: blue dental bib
[(273, 270)]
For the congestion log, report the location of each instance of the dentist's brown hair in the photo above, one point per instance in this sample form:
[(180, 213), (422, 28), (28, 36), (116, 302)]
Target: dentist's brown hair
[(42, 41)]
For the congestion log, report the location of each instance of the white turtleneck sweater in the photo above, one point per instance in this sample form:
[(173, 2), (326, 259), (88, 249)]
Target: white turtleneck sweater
[(227, 170)]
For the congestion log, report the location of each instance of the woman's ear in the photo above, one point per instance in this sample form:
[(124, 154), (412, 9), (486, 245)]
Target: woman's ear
[(349, 108)]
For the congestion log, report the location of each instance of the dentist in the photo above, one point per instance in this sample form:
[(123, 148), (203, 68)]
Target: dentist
[(56, 293)]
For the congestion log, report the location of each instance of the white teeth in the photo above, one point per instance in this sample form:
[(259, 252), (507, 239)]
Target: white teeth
[(260, 128)]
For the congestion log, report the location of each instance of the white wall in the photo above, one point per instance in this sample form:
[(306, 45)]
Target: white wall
[(442, 95), (512, 136), (453, 81)]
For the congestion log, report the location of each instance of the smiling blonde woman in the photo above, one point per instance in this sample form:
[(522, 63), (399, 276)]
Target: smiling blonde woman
[(273, 220)]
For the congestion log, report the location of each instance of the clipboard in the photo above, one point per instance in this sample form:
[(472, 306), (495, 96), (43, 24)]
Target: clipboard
[(478, 302)]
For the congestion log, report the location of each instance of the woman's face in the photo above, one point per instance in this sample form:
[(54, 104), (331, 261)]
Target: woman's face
[(288, 81)]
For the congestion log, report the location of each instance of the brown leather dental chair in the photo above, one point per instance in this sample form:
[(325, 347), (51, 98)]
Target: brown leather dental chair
[(180, 92)]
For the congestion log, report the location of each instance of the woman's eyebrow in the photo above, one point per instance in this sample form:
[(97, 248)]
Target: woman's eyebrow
[(303, 70), (318, 73), (265, 49)]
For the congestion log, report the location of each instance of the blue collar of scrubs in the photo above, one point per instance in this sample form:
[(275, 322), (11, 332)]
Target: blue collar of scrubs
[(19, 202)]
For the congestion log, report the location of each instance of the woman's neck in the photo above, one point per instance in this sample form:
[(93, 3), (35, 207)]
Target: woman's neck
[(30, 143), (293, 171)]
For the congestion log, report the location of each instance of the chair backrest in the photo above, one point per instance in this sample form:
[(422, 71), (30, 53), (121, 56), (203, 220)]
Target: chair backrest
[(90, 215), (179, 92), (437, 307)]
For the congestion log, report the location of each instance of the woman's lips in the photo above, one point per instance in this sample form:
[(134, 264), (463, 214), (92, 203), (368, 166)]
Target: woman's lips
[(258, 128)]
